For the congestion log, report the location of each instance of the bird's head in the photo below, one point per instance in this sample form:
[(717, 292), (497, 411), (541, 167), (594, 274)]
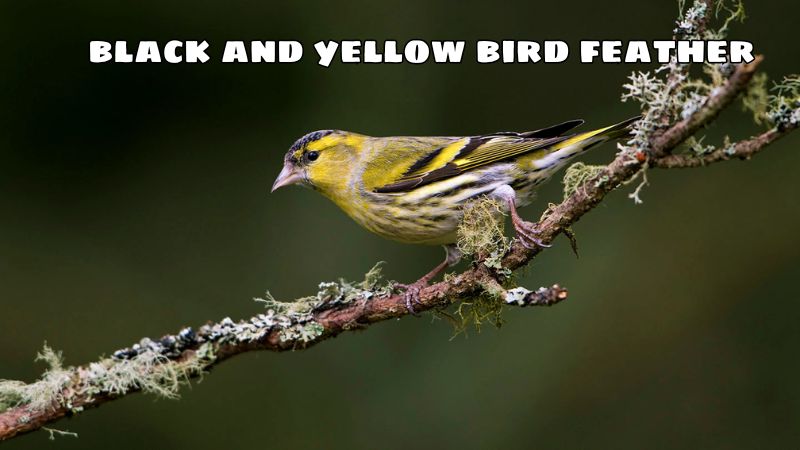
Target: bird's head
[(321, 160)]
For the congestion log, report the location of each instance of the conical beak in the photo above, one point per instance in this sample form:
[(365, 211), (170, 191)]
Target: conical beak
[(287, 176)]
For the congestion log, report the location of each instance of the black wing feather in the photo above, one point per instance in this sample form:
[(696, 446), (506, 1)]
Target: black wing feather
[(553, 131)]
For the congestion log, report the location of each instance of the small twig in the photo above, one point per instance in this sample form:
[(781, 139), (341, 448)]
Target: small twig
[(544, 296), (741, 150), (53, 432)]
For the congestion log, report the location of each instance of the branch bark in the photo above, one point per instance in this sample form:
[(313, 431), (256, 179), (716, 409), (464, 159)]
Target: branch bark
[(190, 352), (716, 102), (741, 150)]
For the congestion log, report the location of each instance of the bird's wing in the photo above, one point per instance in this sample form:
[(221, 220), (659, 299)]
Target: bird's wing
[(551, 131), (465, 154)]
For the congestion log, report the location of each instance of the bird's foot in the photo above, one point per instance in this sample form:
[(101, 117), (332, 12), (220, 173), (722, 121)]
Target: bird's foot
[(411, 293), (528, 234)]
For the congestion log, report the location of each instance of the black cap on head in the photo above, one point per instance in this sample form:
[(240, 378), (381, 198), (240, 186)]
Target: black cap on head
[(305, 140)]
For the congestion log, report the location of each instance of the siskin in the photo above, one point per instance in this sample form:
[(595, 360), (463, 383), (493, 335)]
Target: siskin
[(412, 189)]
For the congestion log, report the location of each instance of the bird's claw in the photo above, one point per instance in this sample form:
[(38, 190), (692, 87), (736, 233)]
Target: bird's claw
[(527, 233), (411, 293)]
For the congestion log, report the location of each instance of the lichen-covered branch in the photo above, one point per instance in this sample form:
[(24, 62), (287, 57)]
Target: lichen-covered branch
[(161, 366), (674, 107), (741, 150), (719, 98), (631, 160)]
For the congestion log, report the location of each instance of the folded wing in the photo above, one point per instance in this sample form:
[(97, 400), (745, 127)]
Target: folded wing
[(474, 152)]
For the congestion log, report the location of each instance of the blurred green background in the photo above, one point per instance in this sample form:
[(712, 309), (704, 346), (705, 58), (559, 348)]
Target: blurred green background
[(135, 201)]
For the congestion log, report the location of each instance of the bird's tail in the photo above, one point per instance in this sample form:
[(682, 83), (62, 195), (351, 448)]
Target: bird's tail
[(616, 131), (580, 142)]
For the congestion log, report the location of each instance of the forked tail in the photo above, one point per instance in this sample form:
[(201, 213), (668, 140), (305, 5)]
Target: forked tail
[(581, 142), (618, 130)]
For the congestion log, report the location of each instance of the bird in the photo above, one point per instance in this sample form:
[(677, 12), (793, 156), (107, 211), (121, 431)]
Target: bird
[(413, 189)]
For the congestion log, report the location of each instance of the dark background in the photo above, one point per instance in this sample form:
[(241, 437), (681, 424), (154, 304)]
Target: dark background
[(134, 200)]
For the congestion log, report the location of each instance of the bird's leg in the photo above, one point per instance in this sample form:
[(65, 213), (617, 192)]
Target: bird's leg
[(411, 291), (527, 232)]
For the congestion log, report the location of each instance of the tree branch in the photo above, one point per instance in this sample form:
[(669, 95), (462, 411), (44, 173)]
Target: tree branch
[(625, 166), (740, 150), (716, 102)]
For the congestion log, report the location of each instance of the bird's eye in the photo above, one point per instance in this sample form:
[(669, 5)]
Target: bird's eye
[(312, 156)]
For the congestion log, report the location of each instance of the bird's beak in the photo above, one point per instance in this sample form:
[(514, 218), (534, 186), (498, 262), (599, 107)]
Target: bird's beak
[(287, 176)]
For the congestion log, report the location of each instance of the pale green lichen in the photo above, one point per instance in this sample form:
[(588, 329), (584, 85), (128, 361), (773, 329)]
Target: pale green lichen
[(481, 233), (671, 93), (40, 394), (481, 229), (294, 320), (150, 372), (735, 13), (784, 103), (11, 393), (697, 146), (331, 293), (601, 181), (305, 332), (636, 195), (756, 99), (577, 174), (474, 313), (300, 306), (729, 147), (373, 279), (779, 109), (689, 25)]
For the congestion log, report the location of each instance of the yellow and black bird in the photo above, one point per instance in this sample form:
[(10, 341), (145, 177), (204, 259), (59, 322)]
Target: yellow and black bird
[(412, 189)]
